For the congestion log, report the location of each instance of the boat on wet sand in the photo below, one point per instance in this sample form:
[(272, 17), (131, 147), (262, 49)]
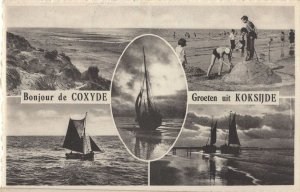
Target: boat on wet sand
[(210, 147), (232, 142), (147, 115)]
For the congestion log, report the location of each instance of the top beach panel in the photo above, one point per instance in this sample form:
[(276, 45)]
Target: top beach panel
[(81, 53)]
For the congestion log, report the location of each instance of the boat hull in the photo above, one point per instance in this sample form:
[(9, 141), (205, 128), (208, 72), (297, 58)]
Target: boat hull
[(88, 156), (150, 122), (225, 149), (209, 149)]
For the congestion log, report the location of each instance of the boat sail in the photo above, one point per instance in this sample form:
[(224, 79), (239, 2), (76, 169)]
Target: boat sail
[(233, 143), (77, 140), (211, 148), (147, 115)]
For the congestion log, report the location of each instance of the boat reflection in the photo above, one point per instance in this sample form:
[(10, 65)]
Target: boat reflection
[(211, 164), (145, 143)]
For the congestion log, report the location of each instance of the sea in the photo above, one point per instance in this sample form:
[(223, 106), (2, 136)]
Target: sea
[(148, 145), (40, 160), (250, 167)]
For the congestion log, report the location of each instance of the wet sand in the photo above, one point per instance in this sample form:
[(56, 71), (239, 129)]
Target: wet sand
[(148, 145), (207, 170), (266, 167)]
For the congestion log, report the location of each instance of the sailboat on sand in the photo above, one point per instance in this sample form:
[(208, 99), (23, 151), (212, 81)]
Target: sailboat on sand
[(211, 148), (232, 142), (147, 115), (77, 140)]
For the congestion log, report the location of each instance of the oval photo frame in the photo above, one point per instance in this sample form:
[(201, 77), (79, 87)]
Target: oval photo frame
[(149, 97)]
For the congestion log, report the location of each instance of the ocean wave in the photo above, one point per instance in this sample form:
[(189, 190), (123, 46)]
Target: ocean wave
[(255, 181)]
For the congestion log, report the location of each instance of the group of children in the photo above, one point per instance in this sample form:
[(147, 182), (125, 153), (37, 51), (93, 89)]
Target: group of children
[(218, 53), (248, 36)]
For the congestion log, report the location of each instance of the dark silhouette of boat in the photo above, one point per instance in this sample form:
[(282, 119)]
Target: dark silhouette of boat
[(77, 140), (147, 115), (211, 148), (232, 144)]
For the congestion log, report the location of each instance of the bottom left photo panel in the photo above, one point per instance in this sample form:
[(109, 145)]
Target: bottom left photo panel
[(66, 144)]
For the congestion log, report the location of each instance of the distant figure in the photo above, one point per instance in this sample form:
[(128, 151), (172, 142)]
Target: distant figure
[(269, 45), (232, 39), (251, 36), (219, 53), (292, 42), (180, 51), (174, 35), (195, 34), (282, 38), (292, 38)]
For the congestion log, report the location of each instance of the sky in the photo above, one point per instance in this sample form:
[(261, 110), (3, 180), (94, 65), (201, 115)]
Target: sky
[(208, 17), (53, 119), (168, 84), (257, 125)]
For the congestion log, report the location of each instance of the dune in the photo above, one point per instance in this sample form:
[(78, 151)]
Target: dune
[(31, 68)]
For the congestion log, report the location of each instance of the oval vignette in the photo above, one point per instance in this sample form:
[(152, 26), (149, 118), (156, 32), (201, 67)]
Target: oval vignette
[(149, 97)]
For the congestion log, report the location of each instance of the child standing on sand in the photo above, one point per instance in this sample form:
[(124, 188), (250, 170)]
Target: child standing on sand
[(232, 39), (282, 38), (219, 54), (180, 51)]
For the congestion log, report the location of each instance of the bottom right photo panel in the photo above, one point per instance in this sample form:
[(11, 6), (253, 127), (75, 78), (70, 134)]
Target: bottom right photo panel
[(231, 145)]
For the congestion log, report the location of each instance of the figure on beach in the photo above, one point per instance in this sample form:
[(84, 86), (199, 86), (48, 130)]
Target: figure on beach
[(251, 36), (242, 42), (232, 39), (282, 38), (292, 38), (292, 42), (180, 51), (219, 54)]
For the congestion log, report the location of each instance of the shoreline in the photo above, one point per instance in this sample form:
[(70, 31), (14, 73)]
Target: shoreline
[(204, 169)]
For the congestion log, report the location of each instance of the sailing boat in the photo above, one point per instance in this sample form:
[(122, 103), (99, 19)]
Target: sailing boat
[(233, 143), (77, 140), (147, 115), (211, 148)]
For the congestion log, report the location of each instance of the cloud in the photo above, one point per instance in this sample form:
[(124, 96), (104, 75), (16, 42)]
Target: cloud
[(44, 113), (278, 121), (165, 74), (97, 112), (276, 124)]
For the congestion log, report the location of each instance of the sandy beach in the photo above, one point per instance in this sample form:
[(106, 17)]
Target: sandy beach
[(266, 167), (199, 50)]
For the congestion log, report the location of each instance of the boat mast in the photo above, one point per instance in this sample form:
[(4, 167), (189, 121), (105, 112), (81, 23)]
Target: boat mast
[(84, 124), (147, 83), (211, 127), (229, 120), (84, 136)]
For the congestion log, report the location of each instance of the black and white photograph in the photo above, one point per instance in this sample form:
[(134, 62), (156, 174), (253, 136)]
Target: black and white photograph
[(63, 144), (231, 145), (223, 48), (149, 97), (146, 60)]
